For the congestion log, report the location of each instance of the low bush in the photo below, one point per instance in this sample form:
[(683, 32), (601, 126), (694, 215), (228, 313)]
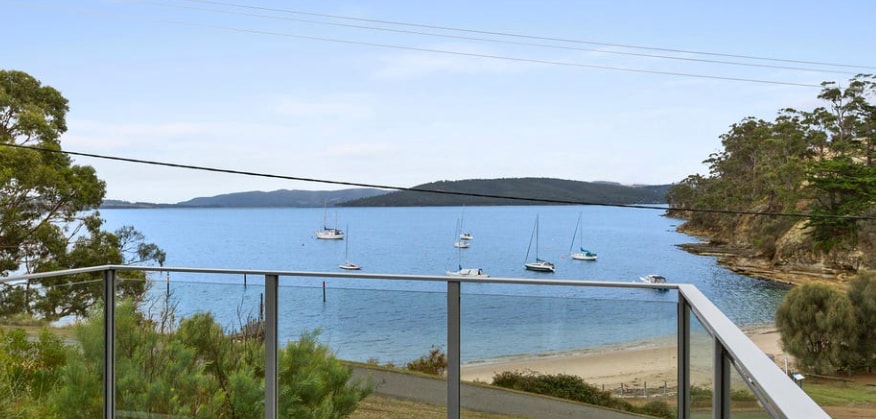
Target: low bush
[(435, 363), (572, 387)]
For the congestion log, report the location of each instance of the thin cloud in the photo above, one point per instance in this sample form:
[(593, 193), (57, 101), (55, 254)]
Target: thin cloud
[(339, 108), (359, 150)]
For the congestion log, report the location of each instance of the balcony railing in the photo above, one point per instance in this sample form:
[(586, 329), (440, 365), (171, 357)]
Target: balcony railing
[(733, 353)]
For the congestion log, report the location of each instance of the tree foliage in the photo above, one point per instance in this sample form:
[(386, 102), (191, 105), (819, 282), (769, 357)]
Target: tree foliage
[(862, 295), (821, 161), (48, 219), (193, 369), (817, 327)]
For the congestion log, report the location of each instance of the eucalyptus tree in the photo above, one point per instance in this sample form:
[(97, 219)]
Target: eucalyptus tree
[(49, 217), (843, 181)]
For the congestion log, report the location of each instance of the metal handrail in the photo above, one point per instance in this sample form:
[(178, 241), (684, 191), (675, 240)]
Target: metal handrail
[(778, 394)]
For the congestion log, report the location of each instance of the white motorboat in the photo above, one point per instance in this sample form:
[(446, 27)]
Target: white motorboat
[(654, 279), (469, 273)]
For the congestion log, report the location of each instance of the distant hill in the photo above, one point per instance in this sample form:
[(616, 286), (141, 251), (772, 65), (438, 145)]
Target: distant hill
[(530, 188), (258, 199)]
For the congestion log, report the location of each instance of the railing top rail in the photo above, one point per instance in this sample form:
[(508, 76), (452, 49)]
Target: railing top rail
[(402, 277), (763, 376)]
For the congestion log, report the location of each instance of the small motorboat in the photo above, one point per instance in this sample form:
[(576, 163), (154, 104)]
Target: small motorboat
[(654, 279), (469, 273)]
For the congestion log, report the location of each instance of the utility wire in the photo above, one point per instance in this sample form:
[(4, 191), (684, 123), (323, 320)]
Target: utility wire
[(435, 191), (499, 41), (516, 35), (447, 52)]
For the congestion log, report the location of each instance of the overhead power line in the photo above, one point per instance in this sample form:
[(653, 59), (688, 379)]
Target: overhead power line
[(436, 51), (443, 192), (489, 40), (524, 36)]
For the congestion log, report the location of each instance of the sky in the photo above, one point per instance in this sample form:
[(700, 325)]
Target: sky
[(402, 93)]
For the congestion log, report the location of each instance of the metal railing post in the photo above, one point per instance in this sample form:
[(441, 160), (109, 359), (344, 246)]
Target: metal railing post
[(721, 382), (683, 358), (453, 350), (109, 343), (271, 346)]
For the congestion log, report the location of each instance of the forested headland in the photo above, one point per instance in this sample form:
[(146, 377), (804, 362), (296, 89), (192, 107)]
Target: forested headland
[(791, 199), (517, 191)]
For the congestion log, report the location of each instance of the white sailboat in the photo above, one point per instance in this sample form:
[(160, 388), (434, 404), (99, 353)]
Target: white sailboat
[(467, 272), (582, 253), (463, 235), (347, 265), (538, 265), (461, 243), (327, 233)]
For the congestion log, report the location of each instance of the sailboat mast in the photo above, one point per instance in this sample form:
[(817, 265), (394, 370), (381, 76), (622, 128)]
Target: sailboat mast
[(536, 238), (529, 248)]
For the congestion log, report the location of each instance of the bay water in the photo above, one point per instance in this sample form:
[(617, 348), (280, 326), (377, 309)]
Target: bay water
[(392, 321)]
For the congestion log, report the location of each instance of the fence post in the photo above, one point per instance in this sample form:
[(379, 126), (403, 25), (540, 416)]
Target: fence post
[(109, 343), (683, 357), (453, 349), (721, 386), (271, 346)]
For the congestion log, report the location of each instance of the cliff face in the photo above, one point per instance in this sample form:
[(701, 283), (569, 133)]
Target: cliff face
[(791, 258)]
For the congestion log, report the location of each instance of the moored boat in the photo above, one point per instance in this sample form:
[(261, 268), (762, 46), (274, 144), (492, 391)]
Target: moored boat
[(539, 265), (582, 254), (654, 279), (329, 233), (469, 273)]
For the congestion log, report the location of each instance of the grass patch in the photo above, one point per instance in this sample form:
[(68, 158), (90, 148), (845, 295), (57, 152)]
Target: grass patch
[(841, 394), (33, 328), (377, 406)]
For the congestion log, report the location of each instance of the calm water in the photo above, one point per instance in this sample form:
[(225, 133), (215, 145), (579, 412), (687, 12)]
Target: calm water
[(397, 321)]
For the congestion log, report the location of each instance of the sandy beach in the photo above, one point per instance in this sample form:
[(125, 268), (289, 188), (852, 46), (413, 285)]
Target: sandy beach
[(652, 363)]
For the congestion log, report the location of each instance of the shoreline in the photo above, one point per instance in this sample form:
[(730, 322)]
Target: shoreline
[(651, 363), (741, 261)]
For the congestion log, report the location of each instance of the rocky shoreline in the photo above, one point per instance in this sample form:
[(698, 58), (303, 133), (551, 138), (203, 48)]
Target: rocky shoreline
[(743, 262)]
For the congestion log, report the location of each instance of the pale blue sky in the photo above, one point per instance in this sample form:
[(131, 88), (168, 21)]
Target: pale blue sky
[(251, 89)]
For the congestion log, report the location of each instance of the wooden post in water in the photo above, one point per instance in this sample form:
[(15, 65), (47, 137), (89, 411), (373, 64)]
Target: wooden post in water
[(323, 291), (244, 281), (645, 389)]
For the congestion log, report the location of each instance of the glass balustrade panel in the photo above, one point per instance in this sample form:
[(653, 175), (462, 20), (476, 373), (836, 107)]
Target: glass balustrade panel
[(356, 346), (611, 347), (192, 346)]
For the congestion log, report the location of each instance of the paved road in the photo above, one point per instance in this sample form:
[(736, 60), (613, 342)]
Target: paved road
[(483, 398)]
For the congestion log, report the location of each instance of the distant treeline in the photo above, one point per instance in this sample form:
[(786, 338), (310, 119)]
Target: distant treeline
[(528, 191)]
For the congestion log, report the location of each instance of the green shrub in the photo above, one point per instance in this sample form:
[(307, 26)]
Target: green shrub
[(435, 363), (194, 369), (572, 387)]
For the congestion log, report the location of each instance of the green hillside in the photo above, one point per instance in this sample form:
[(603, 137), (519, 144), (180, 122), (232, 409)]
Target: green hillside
[(529, 190)]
